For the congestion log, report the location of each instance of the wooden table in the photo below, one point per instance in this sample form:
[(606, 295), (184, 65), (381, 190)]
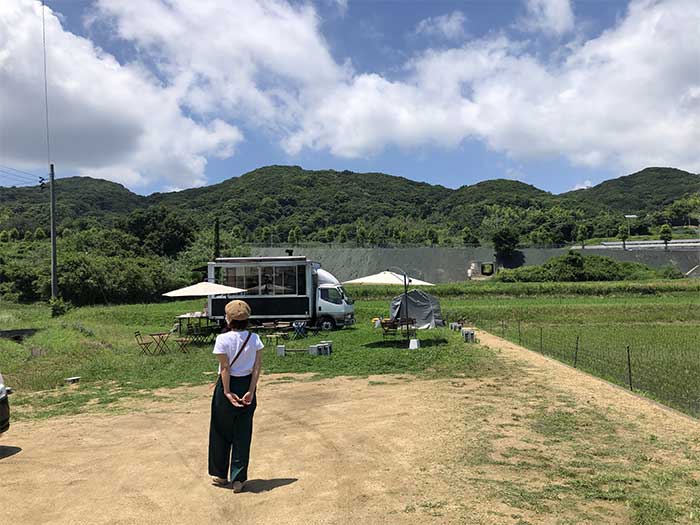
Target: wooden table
[(161, 341)]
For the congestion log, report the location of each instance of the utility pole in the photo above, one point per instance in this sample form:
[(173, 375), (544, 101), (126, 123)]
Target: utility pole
[(217, 241), (54, 272)]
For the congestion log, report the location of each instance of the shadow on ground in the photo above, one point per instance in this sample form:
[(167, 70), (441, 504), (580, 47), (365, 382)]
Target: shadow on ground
[(6, 452), (257, 486), (401, 343)]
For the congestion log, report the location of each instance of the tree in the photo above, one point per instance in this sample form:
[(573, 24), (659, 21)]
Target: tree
[(468, 237), (28, 236), (161, 231), (294, 236), (665, 234), (505, 241), (4, 236), (14, 234), (623, 234), (39, 233), (582, 233)]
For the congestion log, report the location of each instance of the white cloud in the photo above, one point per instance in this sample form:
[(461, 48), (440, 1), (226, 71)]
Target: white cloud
[(553, 17), (450, 27), (582, 185), (627, 99), (257, 61), (107, 119)]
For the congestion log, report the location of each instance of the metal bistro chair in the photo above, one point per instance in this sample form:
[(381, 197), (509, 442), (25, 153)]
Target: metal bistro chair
[(299, 329), (144, 345)]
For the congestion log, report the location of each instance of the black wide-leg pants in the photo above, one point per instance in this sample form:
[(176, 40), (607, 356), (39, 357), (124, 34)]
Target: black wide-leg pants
[(230, 432)]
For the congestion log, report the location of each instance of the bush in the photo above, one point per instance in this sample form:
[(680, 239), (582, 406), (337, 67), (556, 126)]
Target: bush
[(574, 267), (58, 307)]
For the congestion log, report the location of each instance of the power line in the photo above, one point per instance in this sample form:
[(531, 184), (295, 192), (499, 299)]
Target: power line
[(18, 171), (19, 178), (52, 182), (46, 86)]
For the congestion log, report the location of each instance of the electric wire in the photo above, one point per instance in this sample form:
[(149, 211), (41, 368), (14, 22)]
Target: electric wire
[(18, 171), (46, 87), (19, 178)]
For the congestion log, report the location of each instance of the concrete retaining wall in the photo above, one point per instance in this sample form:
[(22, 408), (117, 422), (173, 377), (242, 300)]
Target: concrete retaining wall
[(441, 265)]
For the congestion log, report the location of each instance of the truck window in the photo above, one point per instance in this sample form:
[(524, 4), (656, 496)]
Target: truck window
[(286, 280), (345, 293), (267, 285), (301, 280), (331, 295)]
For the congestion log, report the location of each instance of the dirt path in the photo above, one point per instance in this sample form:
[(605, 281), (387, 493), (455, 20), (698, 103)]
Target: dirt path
[(513, 448), (323, 452)]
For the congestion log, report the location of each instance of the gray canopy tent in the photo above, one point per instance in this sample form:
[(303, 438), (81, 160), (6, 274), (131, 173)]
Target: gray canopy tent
[(422, 307)]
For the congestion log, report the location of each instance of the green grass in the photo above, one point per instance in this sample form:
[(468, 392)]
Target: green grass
[(582, 464), (662, 333), (474, 289), (660, 321), (97, 344)]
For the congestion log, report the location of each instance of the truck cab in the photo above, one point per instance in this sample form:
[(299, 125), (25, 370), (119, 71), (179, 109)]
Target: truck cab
[(335, 307)]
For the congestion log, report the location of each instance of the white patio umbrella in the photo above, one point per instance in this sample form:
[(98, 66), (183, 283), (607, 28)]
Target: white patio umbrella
[(203, 289), (387, 277)]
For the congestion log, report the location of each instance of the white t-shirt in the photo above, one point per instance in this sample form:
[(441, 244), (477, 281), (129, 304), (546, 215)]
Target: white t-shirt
[(230, 342)]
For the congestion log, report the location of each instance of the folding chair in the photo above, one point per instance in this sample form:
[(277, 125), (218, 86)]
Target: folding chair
[(183, 343), (145, 345), (299, 329)]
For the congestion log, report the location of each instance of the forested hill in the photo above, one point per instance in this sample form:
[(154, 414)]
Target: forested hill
[(645, 191), (331, 206)]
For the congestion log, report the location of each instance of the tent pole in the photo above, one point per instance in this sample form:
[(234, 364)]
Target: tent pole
[(405, 298)]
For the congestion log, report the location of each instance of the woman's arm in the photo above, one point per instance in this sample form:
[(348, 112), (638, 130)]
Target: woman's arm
[(226, 380), (248, 397)]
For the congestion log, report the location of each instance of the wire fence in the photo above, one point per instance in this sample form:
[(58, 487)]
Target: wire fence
[(659, 360)]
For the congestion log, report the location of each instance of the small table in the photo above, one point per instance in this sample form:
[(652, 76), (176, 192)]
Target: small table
[(160, 339), (198, 327)]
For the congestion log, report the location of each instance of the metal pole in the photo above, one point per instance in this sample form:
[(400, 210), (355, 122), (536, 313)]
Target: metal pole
[(405, 298), (54, 272), (217, 239), (629, 367)]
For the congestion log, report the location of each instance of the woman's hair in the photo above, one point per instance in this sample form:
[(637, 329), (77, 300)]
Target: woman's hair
[(233, 324)]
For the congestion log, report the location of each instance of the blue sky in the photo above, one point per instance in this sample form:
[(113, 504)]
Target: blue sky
[(167, 95)]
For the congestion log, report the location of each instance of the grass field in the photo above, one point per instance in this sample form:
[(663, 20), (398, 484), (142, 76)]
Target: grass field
[(659, 321), (662, 333), (97, 344), (520, 441)]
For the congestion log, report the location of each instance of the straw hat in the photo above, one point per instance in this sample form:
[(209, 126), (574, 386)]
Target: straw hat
[(237, 311)]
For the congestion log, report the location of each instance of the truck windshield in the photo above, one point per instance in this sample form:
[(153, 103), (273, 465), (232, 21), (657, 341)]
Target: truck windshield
[(346, 295)]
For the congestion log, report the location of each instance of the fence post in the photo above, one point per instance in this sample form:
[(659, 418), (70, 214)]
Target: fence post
[(541, 342), (520, 337), (629, 367), (576, 352)]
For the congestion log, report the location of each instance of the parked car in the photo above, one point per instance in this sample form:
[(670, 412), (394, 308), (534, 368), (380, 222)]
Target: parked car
[(4, 406)]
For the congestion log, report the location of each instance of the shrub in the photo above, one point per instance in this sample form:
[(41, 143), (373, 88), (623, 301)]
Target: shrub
[(58, 307), (574, 267)]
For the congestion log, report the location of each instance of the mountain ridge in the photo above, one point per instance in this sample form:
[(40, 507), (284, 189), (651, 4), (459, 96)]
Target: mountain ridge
[(284, 196)]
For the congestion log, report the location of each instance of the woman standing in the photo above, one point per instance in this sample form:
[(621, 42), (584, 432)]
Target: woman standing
[(234, 401)]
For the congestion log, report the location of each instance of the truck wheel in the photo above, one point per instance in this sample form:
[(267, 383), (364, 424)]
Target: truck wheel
[(326, 324)]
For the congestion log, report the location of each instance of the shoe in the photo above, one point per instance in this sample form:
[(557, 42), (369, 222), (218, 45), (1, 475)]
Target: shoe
[(219, 481), (237, 486)]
